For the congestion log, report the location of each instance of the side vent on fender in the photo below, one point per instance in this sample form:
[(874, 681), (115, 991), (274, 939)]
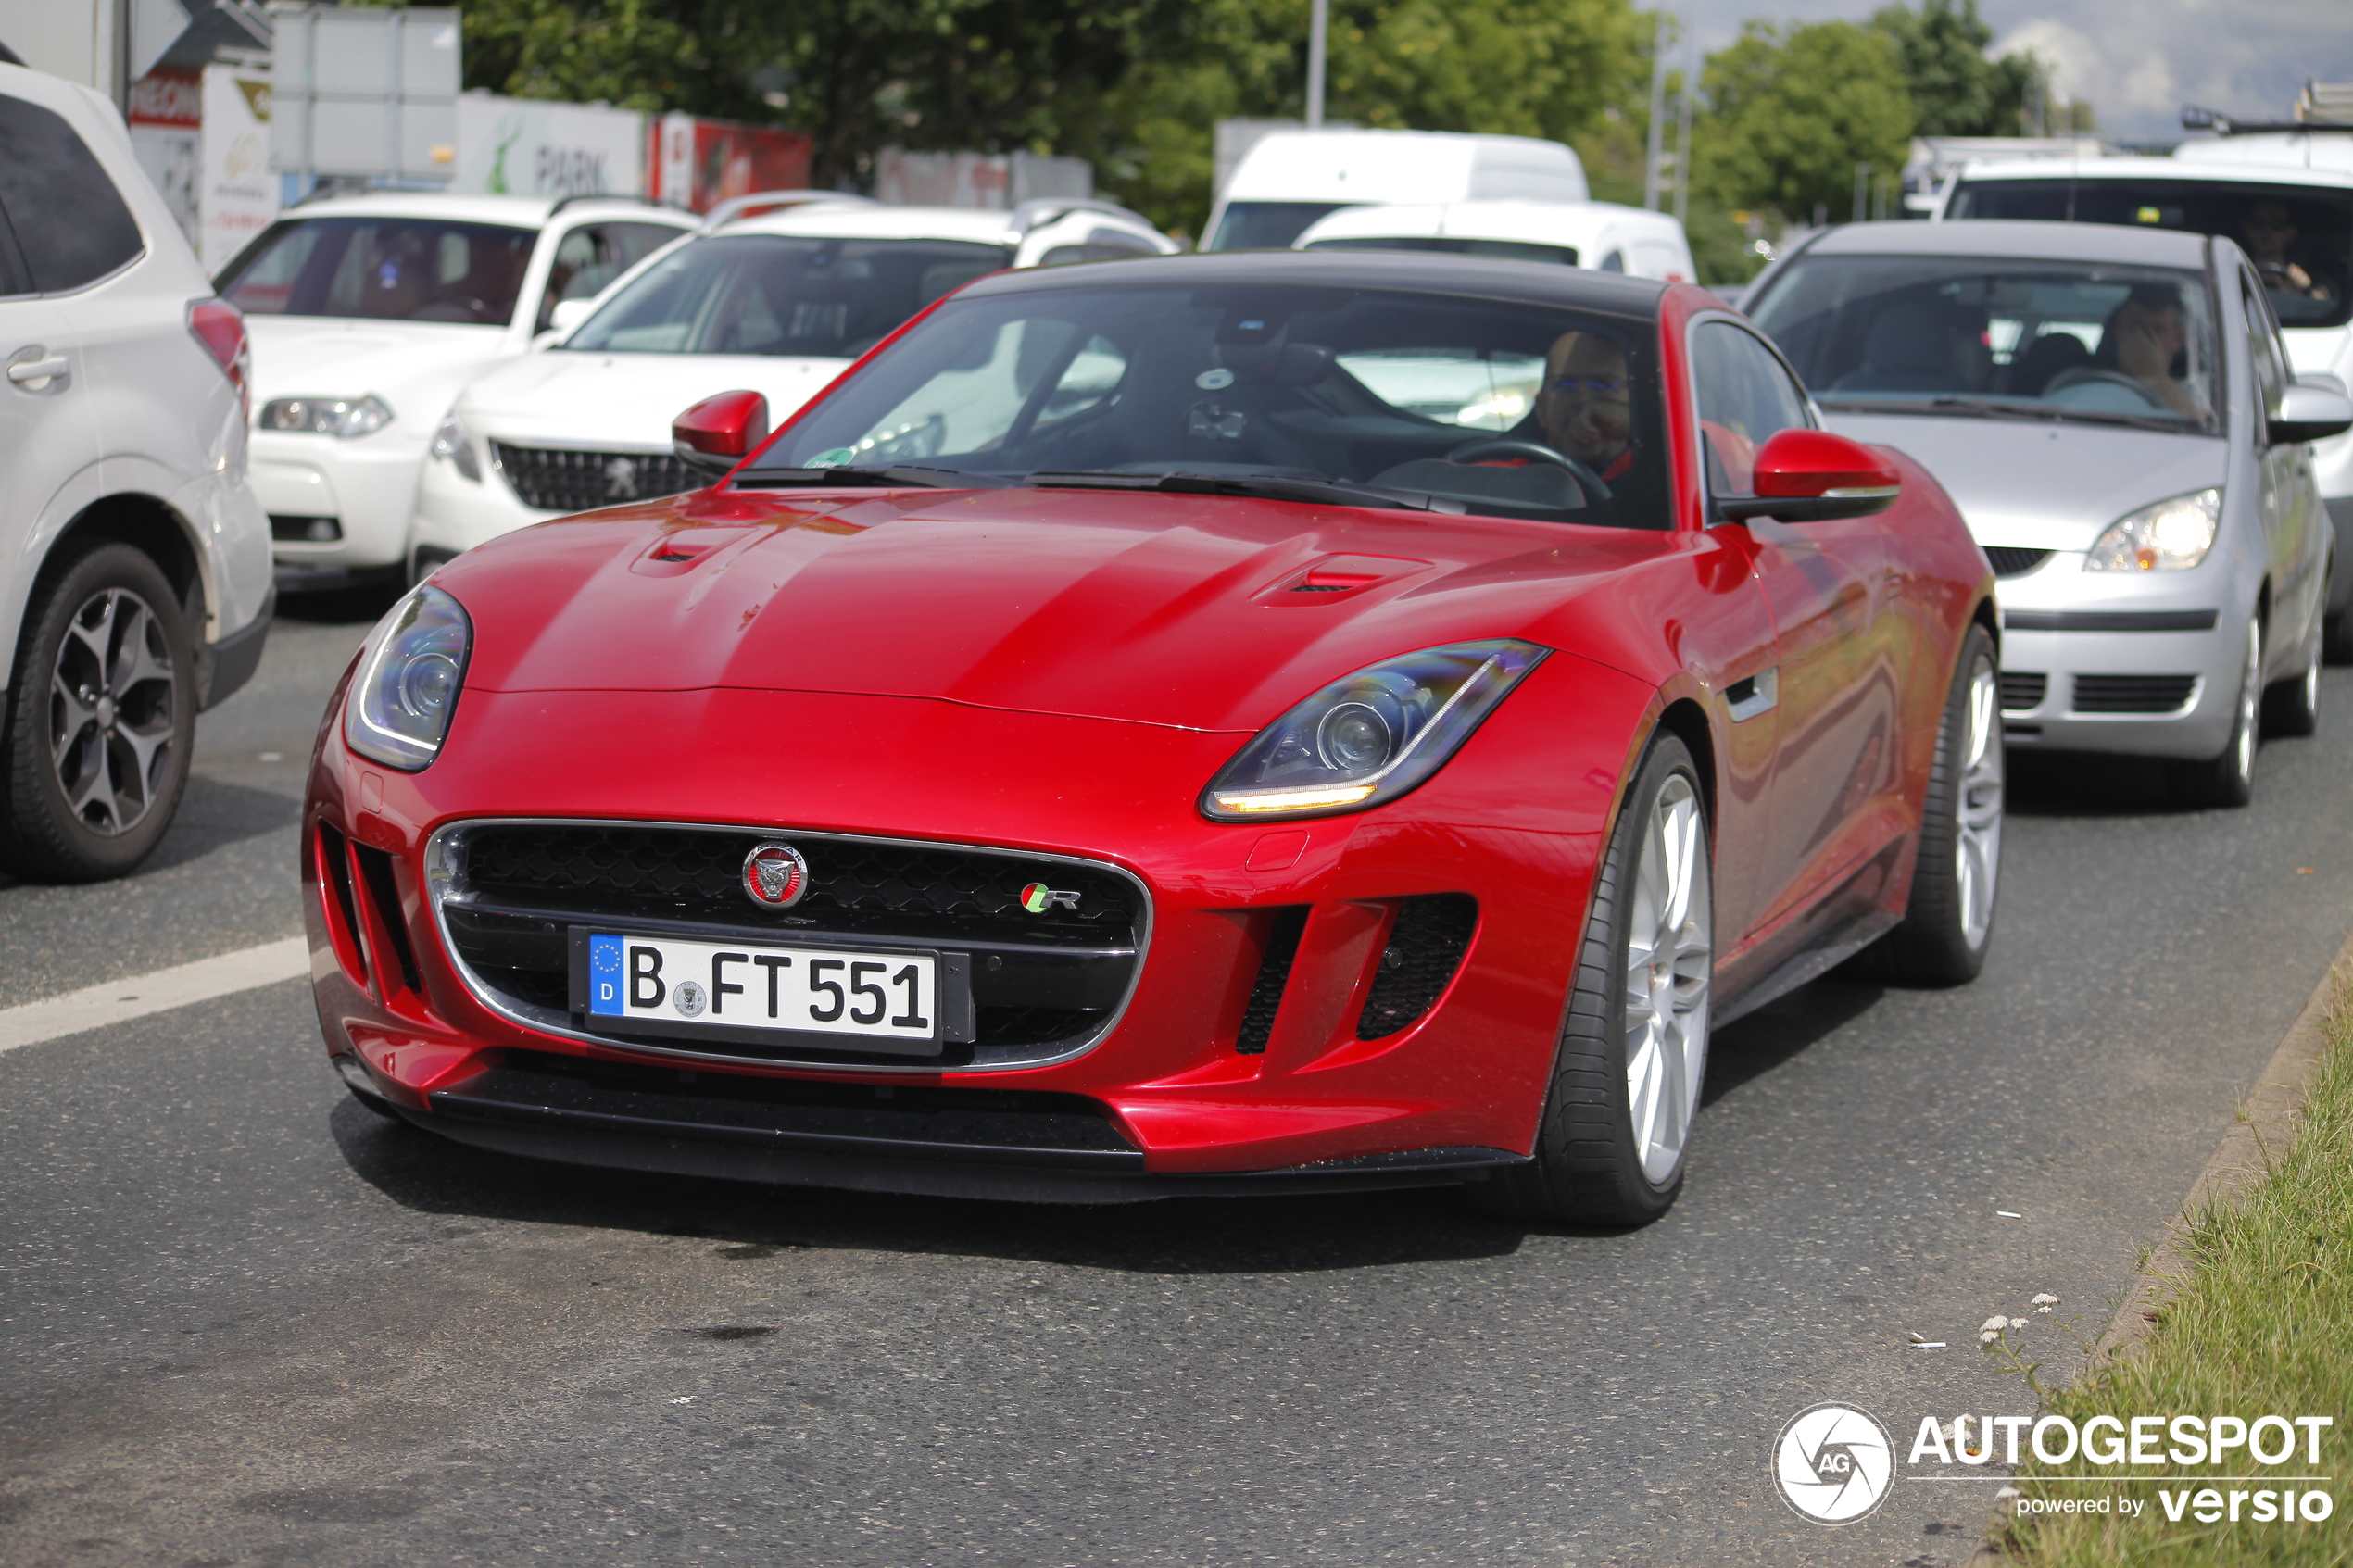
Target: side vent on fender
[(1273, 974), (375, 870), (334, 870), (1425, 945)]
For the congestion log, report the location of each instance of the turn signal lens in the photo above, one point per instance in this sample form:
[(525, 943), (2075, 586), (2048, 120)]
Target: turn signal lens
[(1371, 737), (409, 675), (2169, 536)]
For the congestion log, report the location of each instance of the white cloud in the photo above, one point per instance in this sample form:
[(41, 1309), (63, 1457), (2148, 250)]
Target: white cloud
[(2120, 80)]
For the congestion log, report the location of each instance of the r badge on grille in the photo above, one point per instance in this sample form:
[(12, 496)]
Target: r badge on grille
[(1037, 898), (775, 875)]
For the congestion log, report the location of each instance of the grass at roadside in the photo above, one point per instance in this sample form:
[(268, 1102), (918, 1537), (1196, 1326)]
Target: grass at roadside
[(2263, 1324)]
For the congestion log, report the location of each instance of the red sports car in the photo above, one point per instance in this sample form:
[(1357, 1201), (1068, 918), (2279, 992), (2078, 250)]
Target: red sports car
[(1234, 723)]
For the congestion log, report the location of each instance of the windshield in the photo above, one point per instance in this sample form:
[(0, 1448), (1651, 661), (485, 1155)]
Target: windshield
[(1267, 225), (1504, 409), (782, 295), (2049, 338), (1502, 250), (2300, 237), (381, 270)]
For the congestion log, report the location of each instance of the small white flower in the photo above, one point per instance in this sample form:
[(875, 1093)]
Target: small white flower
[(2043, 1298), (2018, 1322), (1997, 1322)]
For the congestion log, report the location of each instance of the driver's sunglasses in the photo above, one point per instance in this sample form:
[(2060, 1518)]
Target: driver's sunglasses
[(1607, 386)]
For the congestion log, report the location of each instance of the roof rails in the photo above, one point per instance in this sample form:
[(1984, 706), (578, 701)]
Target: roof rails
[(2197, 118), (737, 207), (577, 196), (1037, 213)]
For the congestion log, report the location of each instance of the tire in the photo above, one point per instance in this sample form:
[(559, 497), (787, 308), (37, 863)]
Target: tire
[(2293, 707), (2336, 638), (2228, 777), (94, 757), (1611, 1143), (1948, 923), (426, 560)]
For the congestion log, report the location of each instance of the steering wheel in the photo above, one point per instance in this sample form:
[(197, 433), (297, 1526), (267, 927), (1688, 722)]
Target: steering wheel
[(1534, 451), (2093, 375)]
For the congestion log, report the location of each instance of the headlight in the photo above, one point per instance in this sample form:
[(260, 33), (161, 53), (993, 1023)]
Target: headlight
[(345, 419), (1367, 739), (409, 673), (2169, 536), (450, 445)]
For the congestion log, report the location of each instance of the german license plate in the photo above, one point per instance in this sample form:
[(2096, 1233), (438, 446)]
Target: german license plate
[(879, 1001)]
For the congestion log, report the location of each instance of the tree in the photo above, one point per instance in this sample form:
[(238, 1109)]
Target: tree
[(1956, 90), (1791, 114)]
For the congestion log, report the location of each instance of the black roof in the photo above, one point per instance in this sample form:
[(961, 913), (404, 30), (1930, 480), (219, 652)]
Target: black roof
[(1537, 283)]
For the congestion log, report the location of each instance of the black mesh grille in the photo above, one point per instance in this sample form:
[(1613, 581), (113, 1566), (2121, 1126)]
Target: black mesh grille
[(2023, 690), (1273, 974), (1038, 978), (1425, 945), (555, 481), (2010, 562), (2132, 694)]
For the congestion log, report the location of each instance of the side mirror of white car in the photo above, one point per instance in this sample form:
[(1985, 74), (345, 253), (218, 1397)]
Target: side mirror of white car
[(2309, 412), (568, 314)]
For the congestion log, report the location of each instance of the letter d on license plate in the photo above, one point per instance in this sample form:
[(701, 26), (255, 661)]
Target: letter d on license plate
[(871, 1001)]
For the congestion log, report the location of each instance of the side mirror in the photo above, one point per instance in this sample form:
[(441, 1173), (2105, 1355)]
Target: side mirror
[(1813, 476), (568, 314), (2310, 412), (716, 434)]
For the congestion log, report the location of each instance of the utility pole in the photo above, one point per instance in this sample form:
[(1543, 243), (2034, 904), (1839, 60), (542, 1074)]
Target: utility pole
[(1319, 30), (1862, 191), (1656, 148), (1684, 132)]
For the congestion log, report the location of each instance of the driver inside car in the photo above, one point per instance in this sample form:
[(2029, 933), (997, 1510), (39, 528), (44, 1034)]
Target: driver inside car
[(1582, 411), (2268, 231), (2144, 335)]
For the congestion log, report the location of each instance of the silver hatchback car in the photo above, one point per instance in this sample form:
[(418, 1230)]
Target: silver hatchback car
[(2114, 413)]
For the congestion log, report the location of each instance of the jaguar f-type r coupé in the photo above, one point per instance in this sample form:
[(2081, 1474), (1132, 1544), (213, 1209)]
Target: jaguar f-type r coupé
[(1236, 723)]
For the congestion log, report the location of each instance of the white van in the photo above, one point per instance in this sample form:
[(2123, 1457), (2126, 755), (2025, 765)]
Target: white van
[(1293, 178), (1600, 236)]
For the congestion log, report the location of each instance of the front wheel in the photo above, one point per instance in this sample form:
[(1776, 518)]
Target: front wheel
[(1948, 923), (1617, 1121), (2293, 707)]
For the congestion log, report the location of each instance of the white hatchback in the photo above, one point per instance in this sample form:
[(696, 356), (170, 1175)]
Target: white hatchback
[(779, 305), (367, 314), (134, 562)]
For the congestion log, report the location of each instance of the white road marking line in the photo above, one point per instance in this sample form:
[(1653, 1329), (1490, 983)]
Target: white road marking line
[(118, 1001)]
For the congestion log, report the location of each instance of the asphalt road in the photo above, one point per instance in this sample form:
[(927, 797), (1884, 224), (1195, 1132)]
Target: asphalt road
[(243, 1321)]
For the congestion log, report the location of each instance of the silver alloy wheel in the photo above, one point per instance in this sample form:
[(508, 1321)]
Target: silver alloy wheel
[(1977, 849), (2312, 678), (2250, 703), (111, 711), (1669, 961)]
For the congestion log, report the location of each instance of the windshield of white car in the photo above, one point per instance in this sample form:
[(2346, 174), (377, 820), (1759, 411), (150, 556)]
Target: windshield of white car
[(2300, 237), (376, 269), (1295, 392), (1267, 225), (2067, 340), (1502, 250), (800, 297)]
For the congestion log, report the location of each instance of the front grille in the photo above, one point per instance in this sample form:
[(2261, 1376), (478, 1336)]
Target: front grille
[(555, 481), (2133, 693), (1042, 984), (1425, 947), (2010, 562), (2023, 690)]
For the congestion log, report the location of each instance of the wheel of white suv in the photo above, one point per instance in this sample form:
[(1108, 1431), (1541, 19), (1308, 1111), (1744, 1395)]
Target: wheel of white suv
[(95, 755)]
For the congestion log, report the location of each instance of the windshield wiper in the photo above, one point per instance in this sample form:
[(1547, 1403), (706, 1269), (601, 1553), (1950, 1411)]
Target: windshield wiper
[(2006, 409), (1271, 486), (901, 477)]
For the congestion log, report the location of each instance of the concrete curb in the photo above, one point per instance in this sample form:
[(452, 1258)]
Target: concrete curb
[(2266, 1129)]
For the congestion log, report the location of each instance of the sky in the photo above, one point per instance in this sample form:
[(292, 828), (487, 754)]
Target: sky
[(2136, 61)]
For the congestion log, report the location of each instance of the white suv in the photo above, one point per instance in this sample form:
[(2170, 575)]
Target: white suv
[(135, 562), (368, 313), (779, 305)]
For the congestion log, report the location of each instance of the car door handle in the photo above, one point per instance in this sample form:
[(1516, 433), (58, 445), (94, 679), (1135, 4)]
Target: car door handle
[(24, 371), (1757, 694)]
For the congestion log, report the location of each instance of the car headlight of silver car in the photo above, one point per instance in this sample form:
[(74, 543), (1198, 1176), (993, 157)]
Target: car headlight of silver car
[(1370, 737), (452, 445), (345, 419), (2171, 535), (410, 670)]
